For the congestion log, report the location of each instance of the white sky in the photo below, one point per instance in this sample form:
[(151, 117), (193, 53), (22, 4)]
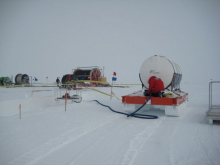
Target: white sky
[(51, 37)]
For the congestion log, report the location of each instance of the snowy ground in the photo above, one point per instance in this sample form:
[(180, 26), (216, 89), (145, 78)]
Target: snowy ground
[(89, 134)]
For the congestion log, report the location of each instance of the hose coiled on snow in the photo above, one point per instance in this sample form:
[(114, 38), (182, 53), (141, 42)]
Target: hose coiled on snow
[(133, 114)]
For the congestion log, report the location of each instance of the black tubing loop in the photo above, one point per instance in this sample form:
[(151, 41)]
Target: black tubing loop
[(133, 114), (77, 101)]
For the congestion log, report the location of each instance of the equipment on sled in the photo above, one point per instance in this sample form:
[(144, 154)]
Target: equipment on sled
[(175, 100), (4, 81), (85, 77), (68, 81), (21, 79), (88, 73), (77, 97)]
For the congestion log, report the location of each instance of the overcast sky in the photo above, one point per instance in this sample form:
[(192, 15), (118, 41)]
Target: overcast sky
[(49, 38)]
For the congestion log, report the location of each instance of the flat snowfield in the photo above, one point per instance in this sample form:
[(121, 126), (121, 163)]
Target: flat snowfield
[(90, 134)]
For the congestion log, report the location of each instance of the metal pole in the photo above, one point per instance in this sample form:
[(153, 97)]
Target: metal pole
[(65, 99), (56, 92), (111, 91), (65, 104), (103, 70), (210, 99), (19, 111), (60, 91)]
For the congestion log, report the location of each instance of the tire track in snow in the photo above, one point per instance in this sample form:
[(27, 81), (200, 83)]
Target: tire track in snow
[(192, 146), (171, 152), (195, 101), (19, 136), (191, 149), (139, 140), (52, 145), (202, 146), (187, 138), (173, 139), (96, 141), (216, 143)]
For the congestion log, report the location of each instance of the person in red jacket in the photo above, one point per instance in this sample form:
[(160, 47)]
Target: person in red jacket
[(156, 86)]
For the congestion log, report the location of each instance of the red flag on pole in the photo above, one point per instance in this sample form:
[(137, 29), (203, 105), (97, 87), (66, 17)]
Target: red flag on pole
[(114, 73)]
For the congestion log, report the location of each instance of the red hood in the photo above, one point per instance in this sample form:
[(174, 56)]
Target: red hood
[(152, 77)]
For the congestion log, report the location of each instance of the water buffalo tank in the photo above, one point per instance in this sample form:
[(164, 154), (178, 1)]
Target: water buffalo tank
[(22, 79), (159, 66)]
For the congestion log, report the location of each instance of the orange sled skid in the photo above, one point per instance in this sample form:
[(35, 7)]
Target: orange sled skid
[(173, 106)]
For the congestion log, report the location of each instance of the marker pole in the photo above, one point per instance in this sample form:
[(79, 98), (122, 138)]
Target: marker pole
[(19, 111)]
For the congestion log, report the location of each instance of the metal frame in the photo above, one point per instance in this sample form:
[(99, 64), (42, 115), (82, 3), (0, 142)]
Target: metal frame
[(214, 110), (210, 96), (77, 97)]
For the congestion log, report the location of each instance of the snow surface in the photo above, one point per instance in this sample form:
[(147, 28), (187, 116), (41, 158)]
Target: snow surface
[(90, 134)]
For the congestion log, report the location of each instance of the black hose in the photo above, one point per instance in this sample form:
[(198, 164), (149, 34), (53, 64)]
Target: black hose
[(133, 114)]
